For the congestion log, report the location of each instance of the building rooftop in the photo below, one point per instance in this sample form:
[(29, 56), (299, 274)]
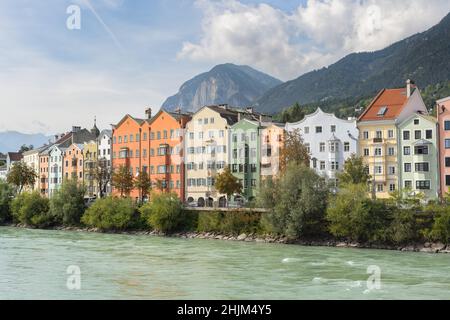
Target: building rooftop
[(387, 105)]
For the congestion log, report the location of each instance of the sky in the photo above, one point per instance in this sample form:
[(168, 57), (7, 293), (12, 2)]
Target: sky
[(122, 56)]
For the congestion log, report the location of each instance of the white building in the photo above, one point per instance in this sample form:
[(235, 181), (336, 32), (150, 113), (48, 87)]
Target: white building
[(55, 165), (104, 151), (330, 141), (31, 159)]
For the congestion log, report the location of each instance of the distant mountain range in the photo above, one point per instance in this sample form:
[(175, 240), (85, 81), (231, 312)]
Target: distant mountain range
[(424, 58), (224, 84), (12, 140)]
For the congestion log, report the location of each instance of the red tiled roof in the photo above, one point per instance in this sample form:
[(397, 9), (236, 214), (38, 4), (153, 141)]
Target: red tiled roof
[(393, 100)]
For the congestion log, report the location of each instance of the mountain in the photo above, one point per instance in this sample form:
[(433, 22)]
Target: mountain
[(224, 84), (424, 58), (13, 140)]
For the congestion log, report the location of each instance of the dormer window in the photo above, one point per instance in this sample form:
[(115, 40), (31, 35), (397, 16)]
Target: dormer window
[(382, 111)]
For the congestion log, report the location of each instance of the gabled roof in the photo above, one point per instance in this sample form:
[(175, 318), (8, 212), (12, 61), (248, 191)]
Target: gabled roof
[(318, 112), (230, 115), (387, 105), (418, 114), (127, 116), (443, 100), (106, 132), (175, 115), (15, 156)]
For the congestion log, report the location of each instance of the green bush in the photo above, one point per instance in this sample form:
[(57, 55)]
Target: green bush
[(67, 204), (441, 226), (31, 209), (6, 196), (232, 222), (164, 212), (353, 216), (110, 214), (297, 202)]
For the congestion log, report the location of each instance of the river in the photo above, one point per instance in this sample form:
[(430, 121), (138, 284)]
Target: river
[(34, 265)]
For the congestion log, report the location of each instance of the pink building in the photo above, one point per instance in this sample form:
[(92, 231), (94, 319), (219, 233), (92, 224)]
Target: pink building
[(443, 116)]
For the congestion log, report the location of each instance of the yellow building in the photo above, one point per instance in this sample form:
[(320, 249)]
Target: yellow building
[(90, 163), (379, 135)]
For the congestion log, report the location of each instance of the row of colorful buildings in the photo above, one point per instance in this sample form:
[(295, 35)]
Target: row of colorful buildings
[(404, 147)]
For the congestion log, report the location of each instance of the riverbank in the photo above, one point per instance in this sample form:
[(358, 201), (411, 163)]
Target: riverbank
[(427, 247)]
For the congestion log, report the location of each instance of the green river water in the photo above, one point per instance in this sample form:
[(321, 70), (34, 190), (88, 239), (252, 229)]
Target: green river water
[(33, 265)]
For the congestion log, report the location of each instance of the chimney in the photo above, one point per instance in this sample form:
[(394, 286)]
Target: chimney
[(239, 116), (148, 113), (409, 87)]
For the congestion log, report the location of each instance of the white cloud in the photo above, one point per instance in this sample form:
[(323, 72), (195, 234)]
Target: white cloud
[(317, 34)]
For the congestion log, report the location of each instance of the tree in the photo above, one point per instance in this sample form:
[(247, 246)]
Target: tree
[(293, 150), (31, 209), (110, 214), (123, 180), (6, 196), (164, 213), (299, 199), (67, 204), (21, 176), (355, 171), (227, 184), (25, 148), (143, 184), (102, 174), (296, 113)]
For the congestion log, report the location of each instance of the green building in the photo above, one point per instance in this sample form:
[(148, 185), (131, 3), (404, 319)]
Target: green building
[(244, 154), (418, 155)]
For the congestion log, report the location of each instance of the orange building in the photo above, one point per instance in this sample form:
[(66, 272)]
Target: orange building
[(152, 145), (166, 151), (43, 172), (73, 162)]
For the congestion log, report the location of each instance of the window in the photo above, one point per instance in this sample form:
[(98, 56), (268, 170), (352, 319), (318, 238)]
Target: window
[(322, 165), (447, 125), (346, 146), (447, 162), (406, 135), (378, 169), (253, 136), (417, 134), (406, 151), (408, 184), (200, 135), (306, 130), (390, 134), (318, 129), (366, 135), (131, 138), (447, 180), (429, 134), (152, 136), (165, 134), (334, 165), (234, 137), (392, 187), (308, 148), (333, 128), (382, 111), (391, 151), (422, 167), (205, 121), (407, 167), (378, 151), (191, 135), (447, 143), (158, 135), (145, 136), (322, 147), (200, 122), (380, 188), (379, 134), (421, 150), (125, 139), (211, 120), (391, 171), (366, 152), (172, 134), (423, 185), (416, 121), (221, 132)]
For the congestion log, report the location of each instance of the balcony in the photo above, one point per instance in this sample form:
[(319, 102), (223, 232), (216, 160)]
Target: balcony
[(377, 140)]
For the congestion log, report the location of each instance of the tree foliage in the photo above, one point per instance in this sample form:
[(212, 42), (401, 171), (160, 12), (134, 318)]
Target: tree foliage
[(6, 196), (293, 150), (227, 183), (298, 202), (21, 176), (123, 180), (110, 214), (67, 204), (143, 184), (102, 175), (31, 209), (355, 171), (164, 212)]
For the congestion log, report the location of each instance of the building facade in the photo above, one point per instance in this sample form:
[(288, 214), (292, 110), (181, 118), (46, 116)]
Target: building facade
[(418, 156), (90, 160), (378, 130), (330, 141), (104, 155), (245, 153), (31, 159), (55, 166), (74, 162), (206, 143), (44, 159), (443, 118), (271, 143)]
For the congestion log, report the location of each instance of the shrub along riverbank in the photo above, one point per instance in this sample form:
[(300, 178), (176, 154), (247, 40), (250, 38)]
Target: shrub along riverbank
[(299, 210)]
